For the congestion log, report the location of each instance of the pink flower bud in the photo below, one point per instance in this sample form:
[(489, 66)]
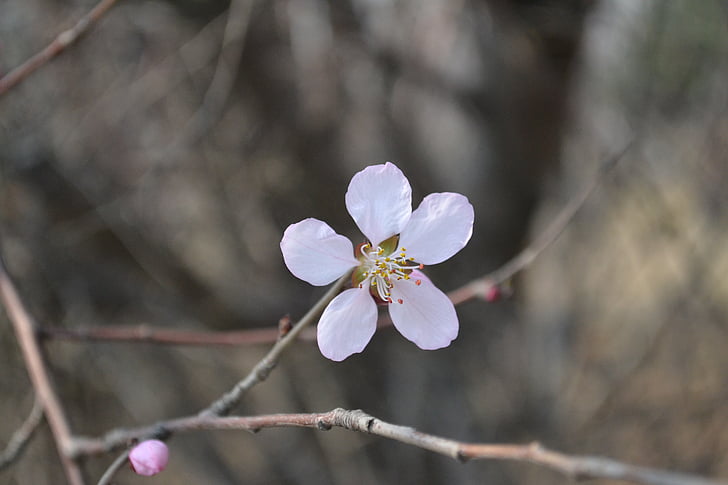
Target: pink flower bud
[(493, 293), (149, 457)]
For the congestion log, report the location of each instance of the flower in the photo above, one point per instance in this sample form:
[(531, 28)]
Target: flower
[(149, 457), (387, 266)]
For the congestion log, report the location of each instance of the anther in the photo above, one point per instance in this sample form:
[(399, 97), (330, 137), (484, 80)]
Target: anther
[(418, 282)]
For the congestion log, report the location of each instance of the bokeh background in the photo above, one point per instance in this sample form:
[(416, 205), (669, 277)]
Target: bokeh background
[(147, 175)]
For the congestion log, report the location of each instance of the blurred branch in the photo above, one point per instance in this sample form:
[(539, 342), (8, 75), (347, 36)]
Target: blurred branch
[(113, 468), (478, 288), (222, 81), (59, 44), (22, 435), (575, 467), (25, 332), (162, 336)]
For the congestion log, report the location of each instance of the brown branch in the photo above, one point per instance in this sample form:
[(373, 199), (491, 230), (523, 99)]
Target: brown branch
[(115, 466), (576, 467), (262, 369), (25, 332), (164, 336), (479, 288), (59, 44), (22, 435)]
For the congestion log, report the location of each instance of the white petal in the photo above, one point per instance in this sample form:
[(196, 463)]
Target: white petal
[(347, 324), (426, 315), (440, 227), (314, 253), (380, 201)]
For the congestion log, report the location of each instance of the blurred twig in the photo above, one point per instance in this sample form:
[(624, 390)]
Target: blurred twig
[(113, 468), (163, 336), (477, 288), (25, 332), (59, 44), (575, 467), (22, 435), (221, 85)]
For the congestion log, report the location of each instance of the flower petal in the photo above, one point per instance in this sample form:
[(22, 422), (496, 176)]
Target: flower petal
[(149, 457), (347, 324), (440, 227), (314, 253), (426, 315), (380, 201)]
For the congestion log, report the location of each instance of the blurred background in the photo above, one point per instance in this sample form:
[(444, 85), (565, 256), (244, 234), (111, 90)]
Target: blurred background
[(148, 173)]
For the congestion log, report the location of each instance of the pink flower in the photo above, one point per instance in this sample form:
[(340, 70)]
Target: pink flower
[(149, 457), (400, 243)]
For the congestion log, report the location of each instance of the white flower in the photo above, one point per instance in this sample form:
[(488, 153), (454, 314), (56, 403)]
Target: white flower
[(400, 243)]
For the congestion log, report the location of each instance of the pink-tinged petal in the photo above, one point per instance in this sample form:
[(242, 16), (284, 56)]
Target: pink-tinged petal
[(314, 253), (440, 227), (347, 324), (149, 457), (426, 316), (380, 201)]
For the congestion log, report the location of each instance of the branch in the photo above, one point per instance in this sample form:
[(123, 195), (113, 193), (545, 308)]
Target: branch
[(263, 368), (164, 336), (22, 435), (25, 333), (575, 467), (115, 466), (479, 288), (59, 44)]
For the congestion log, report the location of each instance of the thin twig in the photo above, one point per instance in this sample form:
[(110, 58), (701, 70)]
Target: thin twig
[(113, 468), (479, 288), (59, 44), (22, 435), (221, 85), (162, 336), (25, 332), (575, 467), (263, 368)]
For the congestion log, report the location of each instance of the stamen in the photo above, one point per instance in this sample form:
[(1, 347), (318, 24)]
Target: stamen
[(381, 271)]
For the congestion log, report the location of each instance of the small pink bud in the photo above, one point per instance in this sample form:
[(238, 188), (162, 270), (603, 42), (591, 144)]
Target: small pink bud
[(493, 293), (149, 457)]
